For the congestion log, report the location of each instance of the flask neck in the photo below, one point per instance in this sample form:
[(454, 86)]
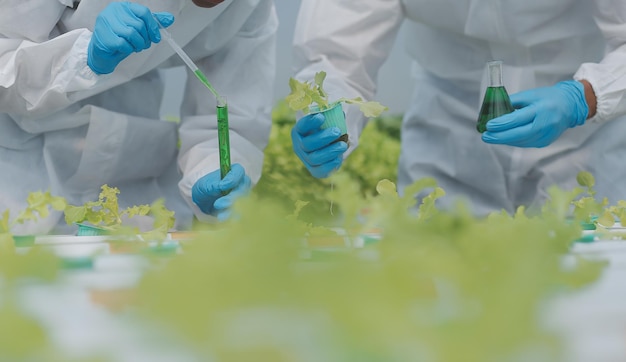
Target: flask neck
[(495, 74)]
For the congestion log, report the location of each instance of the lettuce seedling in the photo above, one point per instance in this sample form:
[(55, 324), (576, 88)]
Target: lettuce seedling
[(305, 94), (39, 204), (106, 213)]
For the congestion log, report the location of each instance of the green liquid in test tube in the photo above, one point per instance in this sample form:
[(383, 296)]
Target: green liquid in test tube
[(496, 102), (223, 135)]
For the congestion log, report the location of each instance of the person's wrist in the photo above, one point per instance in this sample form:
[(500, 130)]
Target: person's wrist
[(590, 98)]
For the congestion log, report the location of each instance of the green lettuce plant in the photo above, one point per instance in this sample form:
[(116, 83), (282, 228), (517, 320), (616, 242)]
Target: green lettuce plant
[(305, 94), (285, 179), (439, 285), (38, 207), (106, 214)]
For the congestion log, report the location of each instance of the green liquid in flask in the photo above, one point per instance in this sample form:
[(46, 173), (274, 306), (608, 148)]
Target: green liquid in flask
[(223, 136), (496, 102)]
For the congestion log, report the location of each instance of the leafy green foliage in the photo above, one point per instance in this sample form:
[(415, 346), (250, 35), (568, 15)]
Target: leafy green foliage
[(618, 211), (5, 226), (369, 109), (444, 286), (20, 336), (24, 338), (284, 179), (588, 209), (106, 213), (35, 263), (38, 204), (163, 221), (586, 179), (304, 94), (38, 207)]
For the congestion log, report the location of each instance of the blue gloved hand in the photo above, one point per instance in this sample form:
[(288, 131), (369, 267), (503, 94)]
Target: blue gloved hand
[(208, 191), (121, 29), (540, 117), (317, 148)]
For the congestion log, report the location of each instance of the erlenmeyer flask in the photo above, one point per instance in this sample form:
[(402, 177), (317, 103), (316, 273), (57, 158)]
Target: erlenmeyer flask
[(496, 102)]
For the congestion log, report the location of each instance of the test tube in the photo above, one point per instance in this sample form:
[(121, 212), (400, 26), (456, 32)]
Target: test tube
[(223, 135)]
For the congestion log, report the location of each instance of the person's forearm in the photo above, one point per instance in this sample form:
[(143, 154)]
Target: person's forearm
[(590, 98)]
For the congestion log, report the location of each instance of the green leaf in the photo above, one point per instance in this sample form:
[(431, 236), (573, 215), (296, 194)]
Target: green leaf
[(585, 179), (42, 211), (427, 209), (319, 81), (299, 206), (163, 218), (28, 337), (372, 109), (559, 201), (94, 217), (300, 97), (157, 234), (108, 198), (58, 203), (386, 187), (607, 219), (4, 222), (321, 101), (26, 215), (6, 243), (408, 200), (299, 101), (140, 210), (369, 109), (74, 214), (36, 199), (622, 217), (303, 94)]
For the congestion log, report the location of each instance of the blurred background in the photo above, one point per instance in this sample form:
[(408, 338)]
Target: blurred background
[(394, 81)]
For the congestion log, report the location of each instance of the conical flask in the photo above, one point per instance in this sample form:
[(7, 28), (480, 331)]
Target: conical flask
[(496, 102)]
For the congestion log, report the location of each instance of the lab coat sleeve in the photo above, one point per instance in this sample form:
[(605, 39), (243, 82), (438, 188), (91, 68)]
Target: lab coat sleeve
[(243, 71), (608, 77), (349, 40), (38, 78)]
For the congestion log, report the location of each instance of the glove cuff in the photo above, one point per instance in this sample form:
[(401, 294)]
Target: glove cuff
[(576, 93), (90, 60)]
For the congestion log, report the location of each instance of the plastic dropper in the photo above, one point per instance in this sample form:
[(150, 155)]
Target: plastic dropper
[(222, 105), (181, 53)]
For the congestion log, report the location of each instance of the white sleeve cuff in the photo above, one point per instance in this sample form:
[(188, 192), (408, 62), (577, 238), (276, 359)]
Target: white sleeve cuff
[(609, 86)]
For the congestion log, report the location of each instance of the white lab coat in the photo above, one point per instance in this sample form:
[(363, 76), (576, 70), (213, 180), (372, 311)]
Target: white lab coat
[(540, 42), (65, 129)]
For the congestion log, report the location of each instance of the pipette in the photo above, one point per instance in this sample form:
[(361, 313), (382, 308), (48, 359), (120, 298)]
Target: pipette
[(181, 53), (222, 105)]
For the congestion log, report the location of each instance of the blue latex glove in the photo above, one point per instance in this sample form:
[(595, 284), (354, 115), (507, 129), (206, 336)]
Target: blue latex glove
[(540, 117), (121, 29), (208, 191), (314, 146)]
